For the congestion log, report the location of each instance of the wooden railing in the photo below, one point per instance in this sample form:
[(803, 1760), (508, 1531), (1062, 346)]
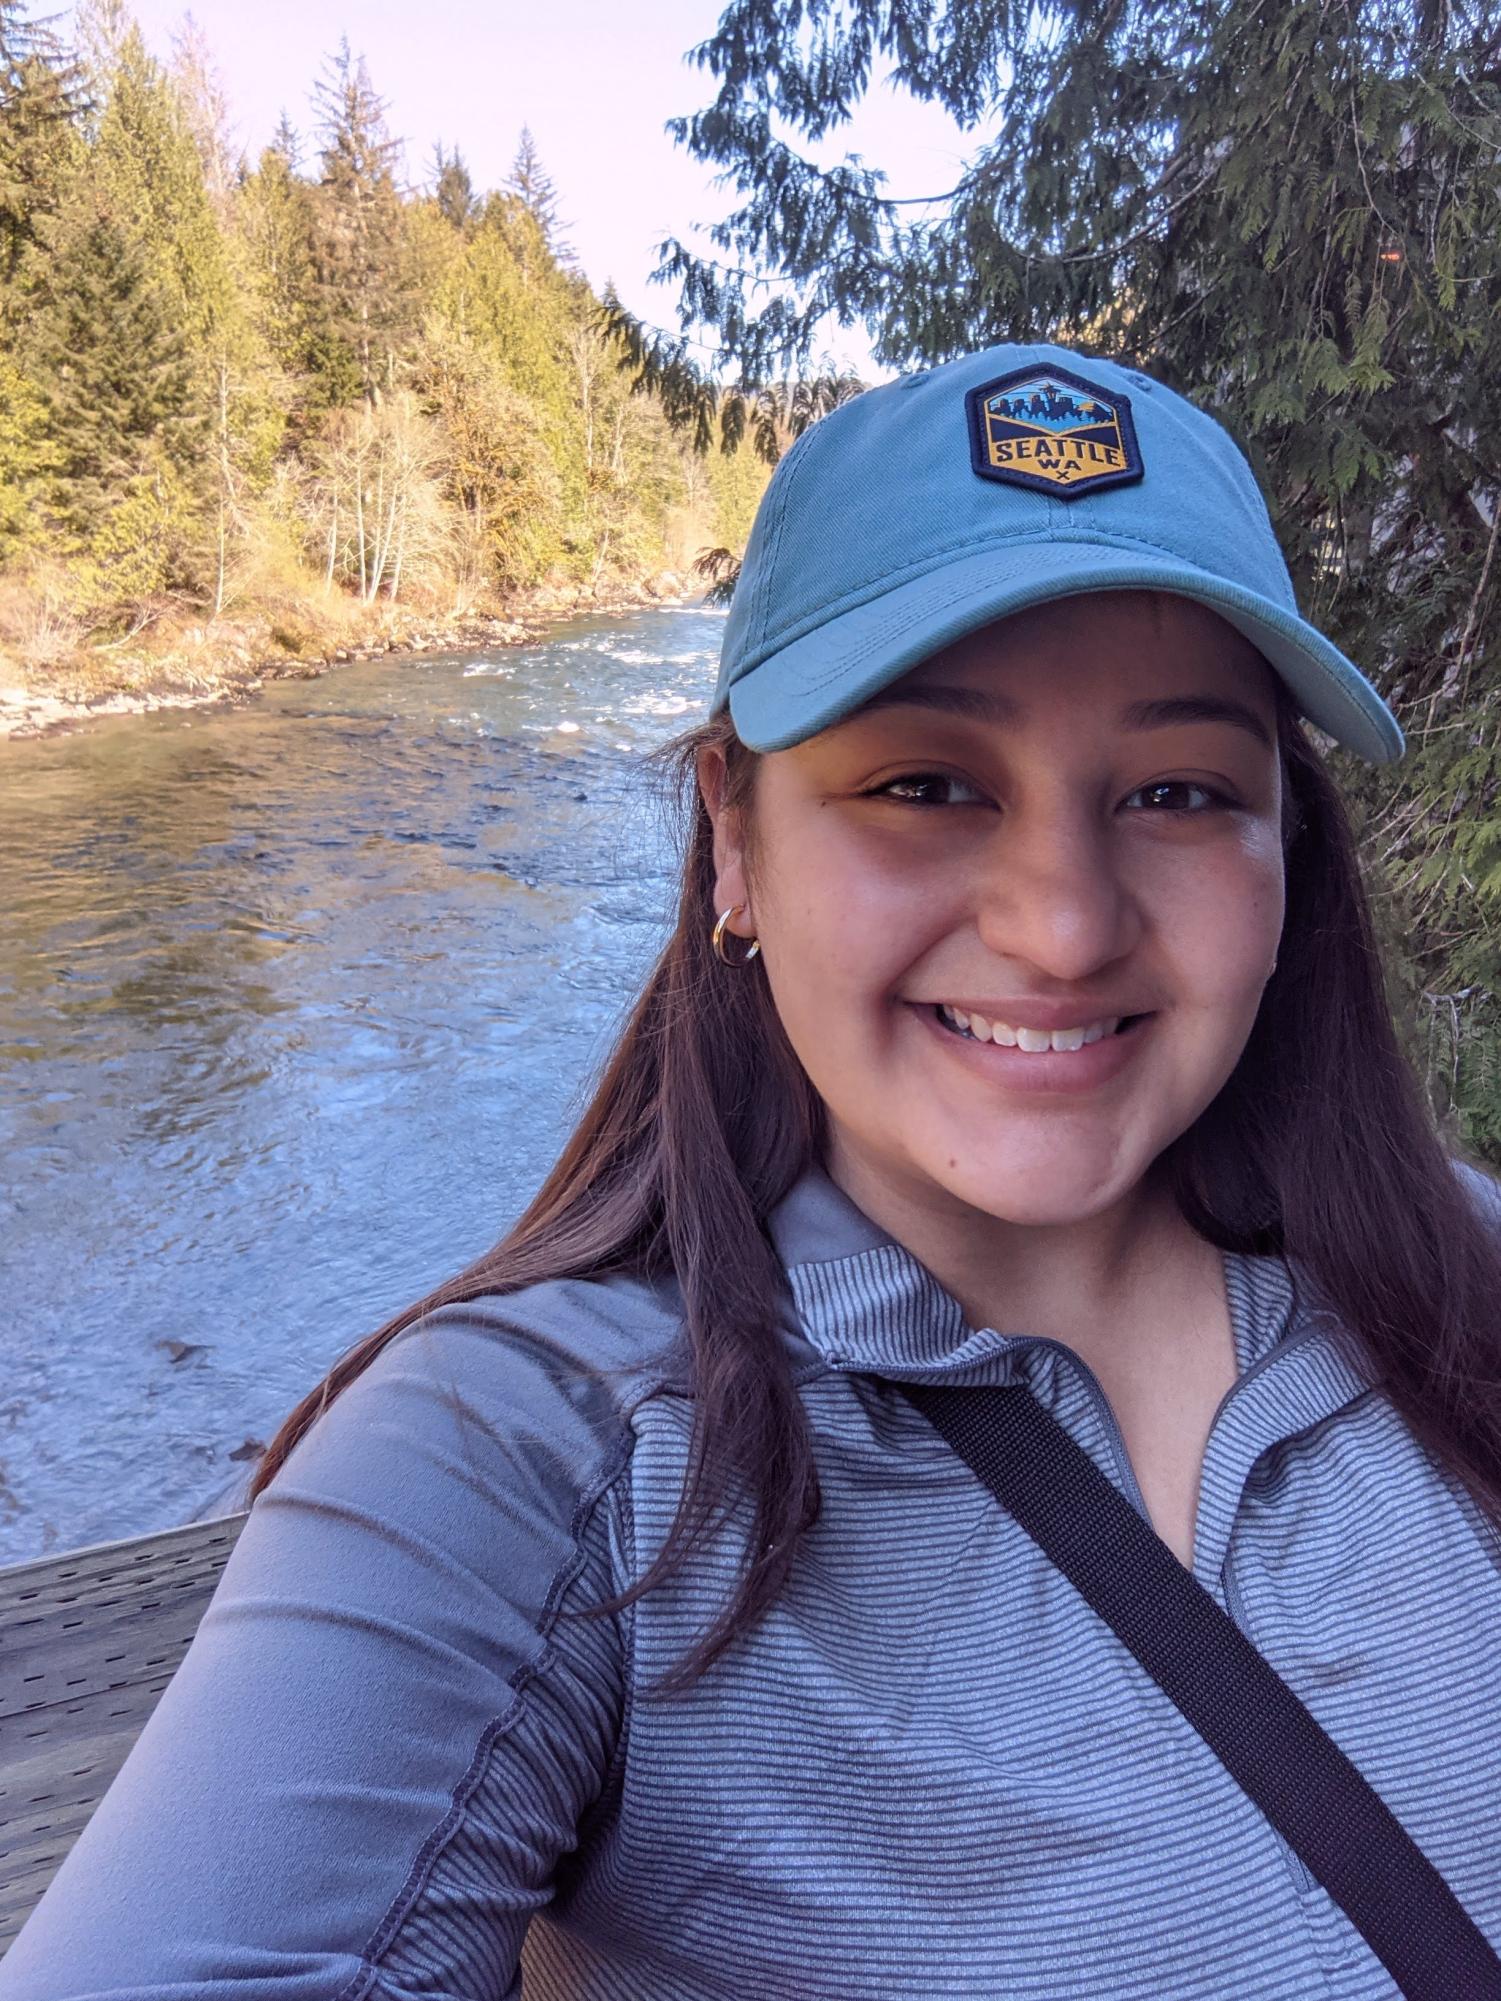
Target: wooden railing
[(88, 1641)]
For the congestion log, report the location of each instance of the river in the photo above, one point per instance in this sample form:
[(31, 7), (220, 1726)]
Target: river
[(296, 1002)]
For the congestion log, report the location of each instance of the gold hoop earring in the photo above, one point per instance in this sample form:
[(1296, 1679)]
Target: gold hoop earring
[(716, 939)]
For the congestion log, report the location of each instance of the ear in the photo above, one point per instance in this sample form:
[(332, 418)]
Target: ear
[(731, 886)]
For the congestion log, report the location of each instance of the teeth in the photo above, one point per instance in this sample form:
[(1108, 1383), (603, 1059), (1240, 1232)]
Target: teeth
[(1034, 1039)]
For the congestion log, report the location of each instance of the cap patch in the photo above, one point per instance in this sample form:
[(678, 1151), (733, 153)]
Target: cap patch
[(1054, 432)]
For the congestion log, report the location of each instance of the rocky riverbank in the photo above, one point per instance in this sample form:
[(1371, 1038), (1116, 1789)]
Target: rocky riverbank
[(184, 666)]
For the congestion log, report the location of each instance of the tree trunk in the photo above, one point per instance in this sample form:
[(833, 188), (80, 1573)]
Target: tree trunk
[(381, 527), (224, 488), (394, 588), (359, 519)]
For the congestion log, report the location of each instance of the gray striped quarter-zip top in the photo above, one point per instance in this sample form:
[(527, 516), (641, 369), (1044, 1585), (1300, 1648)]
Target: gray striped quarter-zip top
[(395, 1763)]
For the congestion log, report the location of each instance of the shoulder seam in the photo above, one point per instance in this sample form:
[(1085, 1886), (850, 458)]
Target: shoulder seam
[(404, 1902), (620, 1492)]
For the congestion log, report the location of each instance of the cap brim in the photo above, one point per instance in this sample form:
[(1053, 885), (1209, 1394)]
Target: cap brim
[(820, 678)]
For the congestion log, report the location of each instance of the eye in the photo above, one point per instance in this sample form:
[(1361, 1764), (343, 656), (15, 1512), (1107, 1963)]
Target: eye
[(1167, 795), (928, 788)]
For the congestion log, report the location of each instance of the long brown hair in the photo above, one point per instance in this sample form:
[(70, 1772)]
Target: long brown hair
[(1320, 1147)]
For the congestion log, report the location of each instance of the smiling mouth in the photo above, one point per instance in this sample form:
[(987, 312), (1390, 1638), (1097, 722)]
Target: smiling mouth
[(975, 1028)]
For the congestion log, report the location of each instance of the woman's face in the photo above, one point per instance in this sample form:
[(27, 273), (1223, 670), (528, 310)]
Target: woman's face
[(1070, 820)]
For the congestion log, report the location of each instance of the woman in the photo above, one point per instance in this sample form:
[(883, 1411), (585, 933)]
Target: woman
[(616, 1615)]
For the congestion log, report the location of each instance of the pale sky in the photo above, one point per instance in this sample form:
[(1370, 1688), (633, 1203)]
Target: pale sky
[(594, 79)]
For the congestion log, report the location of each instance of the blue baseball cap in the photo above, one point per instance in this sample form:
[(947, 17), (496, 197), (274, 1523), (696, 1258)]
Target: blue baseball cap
[(934, 504)]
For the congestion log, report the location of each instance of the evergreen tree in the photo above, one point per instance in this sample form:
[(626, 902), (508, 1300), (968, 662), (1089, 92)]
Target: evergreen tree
[(148, 168), (18, 34), (363, 285), (116, 379), (286, 144), (535, 189), (42, 101), (453, 189), (159, 162), (26, 460), (275, 213), (508, 294)]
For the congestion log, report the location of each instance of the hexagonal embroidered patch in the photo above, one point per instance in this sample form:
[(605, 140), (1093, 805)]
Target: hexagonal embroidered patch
[(1054, 432)]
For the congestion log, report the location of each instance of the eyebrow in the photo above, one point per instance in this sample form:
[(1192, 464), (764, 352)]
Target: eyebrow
[(987, 705), (1167, 710)]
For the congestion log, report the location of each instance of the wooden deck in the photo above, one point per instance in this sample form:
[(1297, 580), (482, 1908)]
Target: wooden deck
[(88, 1641)]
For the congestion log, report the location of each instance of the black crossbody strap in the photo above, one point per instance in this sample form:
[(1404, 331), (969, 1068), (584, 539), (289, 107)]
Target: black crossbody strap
[(1247, 1715)]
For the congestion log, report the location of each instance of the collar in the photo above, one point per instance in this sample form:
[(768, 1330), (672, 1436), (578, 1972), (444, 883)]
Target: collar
[(868, 1305)]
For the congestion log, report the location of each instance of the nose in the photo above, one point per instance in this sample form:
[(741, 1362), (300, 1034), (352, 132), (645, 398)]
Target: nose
[(1050, 895)]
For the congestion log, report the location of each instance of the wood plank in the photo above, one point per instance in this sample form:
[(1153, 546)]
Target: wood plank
[(52, 1582), (88, 1642)]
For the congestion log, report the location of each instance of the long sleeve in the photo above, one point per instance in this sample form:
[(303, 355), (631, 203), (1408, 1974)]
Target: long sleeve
[(384, 1734)]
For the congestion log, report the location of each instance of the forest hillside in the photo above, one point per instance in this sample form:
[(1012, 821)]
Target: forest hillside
[(254, 413)]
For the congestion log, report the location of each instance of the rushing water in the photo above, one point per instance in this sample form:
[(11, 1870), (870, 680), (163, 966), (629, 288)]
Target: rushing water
[(295, 1003)]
